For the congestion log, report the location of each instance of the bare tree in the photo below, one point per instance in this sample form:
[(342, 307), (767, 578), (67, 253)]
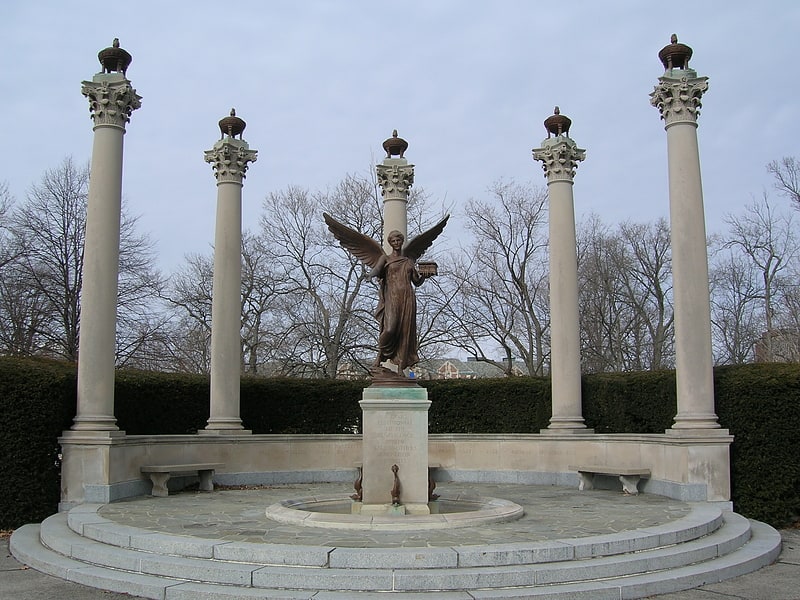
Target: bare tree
[(765, 237), (737, 323), (649, 285), (189, 294), (261, 295), (21, 307), (500, 295), (606, 320), (8, 252), (47, 231), (49, 227), (140, 287), (787, 177), (327, 317), (625, 296)]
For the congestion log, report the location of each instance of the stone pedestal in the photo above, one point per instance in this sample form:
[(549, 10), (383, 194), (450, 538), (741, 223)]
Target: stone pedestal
[(395, 432)]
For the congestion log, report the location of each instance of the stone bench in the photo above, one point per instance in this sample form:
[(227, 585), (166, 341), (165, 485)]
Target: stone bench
[(629, 476), (160, 474)]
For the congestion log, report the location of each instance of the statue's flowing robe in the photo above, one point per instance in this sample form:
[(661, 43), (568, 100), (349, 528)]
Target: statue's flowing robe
[(397, 311)]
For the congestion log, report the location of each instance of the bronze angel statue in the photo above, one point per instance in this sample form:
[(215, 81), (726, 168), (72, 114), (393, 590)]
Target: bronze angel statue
[(396, 272)]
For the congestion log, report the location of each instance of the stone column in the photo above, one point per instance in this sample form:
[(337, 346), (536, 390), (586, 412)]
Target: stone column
[(395, 176), (677, 97), (560, 156), (229, 158), (112, 99)]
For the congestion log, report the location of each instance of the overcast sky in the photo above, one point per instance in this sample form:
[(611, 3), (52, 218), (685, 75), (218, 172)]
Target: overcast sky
[(321, 84)]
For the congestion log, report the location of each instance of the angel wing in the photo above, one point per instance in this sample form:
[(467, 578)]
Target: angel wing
[(417, 247), (363, 247)]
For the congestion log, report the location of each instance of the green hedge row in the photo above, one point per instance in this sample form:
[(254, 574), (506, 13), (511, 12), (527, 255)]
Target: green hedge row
[(759, 404), (37, 403)]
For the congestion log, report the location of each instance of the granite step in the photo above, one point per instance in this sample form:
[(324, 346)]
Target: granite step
[(629, 565), (703, 520)]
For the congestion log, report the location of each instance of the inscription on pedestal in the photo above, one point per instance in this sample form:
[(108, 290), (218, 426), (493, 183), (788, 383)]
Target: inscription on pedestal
[(393, 442)]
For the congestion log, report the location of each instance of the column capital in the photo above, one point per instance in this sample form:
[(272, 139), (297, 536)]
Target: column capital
[(229, 158), (678, 99), (395, 176), (112, 99), (560, 156)]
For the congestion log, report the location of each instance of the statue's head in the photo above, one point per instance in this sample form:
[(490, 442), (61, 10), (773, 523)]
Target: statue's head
[(395, 235)]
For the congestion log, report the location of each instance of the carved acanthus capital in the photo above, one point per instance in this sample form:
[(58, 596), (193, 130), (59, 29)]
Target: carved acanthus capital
[(679, 99), (395, 179), (112, 99), (229, 158), (560, 157)]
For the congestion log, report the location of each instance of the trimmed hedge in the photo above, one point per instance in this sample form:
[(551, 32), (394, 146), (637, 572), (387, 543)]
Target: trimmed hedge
[(759, 404), (642, 402), (37, 402), (286, 405), (514, 405)]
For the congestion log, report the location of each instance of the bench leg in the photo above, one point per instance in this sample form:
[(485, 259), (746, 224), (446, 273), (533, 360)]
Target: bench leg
[(160, 484), (206, 480), (630, 484), (586, 482)]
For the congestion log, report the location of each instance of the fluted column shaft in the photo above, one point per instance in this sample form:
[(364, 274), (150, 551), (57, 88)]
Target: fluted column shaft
[(395, 176), (677, 96), (229, 158), (560, 156), (112, 99)]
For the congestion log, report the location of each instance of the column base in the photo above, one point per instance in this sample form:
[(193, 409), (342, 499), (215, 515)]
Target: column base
[(94, 423), (697, 432), (83, 436), (696, 421), (225, 431), (566, 425)]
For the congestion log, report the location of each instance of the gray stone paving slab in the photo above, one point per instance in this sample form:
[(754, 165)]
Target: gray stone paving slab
[(401, 558), (313, 556), (550, 513)]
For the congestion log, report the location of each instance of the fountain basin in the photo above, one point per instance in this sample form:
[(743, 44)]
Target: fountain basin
[(336, 512)]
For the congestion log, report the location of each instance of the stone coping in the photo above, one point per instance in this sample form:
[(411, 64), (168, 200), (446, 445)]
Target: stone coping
[(483, 510)]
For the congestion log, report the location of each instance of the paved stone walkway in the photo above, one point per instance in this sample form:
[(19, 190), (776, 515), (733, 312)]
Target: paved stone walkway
[(550, 513)]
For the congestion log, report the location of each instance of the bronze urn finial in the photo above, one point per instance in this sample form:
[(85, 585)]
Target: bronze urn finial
[(114, 58), (395, 146), (232, 125), (557, 124), (675, 55)]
